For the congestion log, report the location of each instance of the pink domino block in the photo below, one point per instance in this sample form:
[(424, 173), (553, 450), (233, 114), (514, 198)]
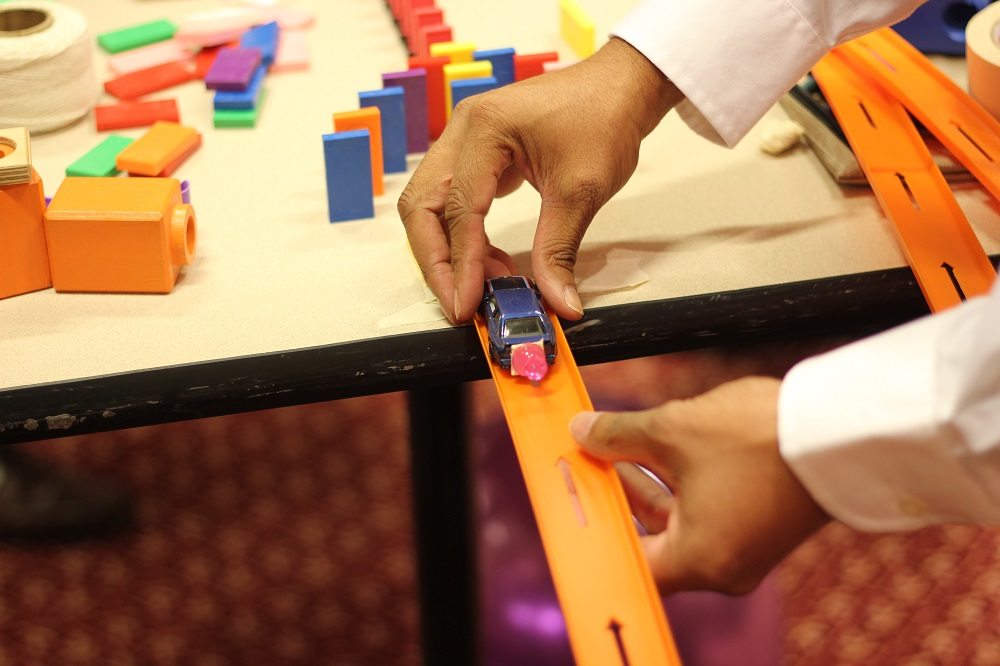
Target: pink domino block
[(148, 56), (293, 51), (288, 18), (217, 26)]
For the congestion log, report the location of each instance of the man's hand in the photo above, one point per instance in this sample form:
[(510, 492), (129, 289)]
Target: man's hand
[(573, 134), (735, 509)]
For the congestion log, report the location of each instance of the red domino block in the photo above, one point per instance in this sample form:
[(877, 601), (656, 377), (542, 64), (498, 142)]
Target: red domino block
[(406, 25), (432, 35), (135, 114), (436, 112), (424, 17), (532, 64), (144, 81)]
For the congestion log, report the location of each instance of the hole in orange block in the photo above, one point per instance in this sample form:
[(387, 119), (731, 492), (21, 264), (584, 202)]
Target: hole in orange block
[(7, 146), (182, 235)]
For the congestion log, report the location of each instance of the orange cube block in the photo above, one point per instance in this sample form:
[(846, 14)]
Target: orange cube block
[(126, 235), (24, 258), (369, 118)]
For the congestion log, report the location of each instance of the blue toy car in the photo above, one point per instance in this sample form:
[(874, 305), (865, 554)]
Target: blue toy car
[(514, 314)]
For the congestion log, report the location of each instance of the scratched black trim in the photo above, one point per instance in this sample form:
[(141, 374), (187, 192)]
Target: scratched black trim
[(852, 304)]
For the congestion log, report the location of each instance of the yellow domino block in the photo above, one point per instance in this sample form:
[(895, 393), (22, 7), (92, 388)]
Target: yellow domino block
[(457, 52), (479, 69), (576, 28)]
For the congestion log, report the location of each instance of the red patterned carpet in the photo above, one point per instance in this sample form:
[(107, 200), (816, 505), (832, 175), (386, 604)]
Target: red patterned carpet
[(284, 537)]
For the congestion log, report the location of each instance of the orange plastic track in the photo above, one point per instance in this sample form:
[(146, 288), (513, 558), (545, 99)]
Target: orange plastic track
[(957, 120), (613, 612), (940, 246)]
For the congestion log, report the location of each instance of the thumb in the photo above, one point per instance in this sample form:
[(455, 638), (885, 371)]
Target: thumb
[(562, 221), (616, 436)]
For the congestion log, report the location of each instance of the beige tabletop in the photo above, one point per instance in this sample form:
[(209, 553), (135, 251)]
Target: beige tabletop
[(272, 274)]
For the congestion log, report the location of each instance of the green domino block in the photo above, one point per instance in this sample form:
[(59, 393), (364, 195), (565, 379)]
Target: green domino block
[(136, 36), (100, 160), (239, 117)]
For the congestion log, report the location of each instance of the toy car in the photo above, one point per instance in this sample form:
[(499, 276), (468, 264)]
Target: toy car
[(519, 328)]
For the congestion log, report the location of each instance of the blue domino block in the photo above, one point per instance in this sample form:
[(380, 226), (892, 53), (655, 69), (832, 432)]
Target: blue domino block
[(348, 175), (938, 26), (390, 102), (263, 37), (468, 87), (503, 64), (241, 100)]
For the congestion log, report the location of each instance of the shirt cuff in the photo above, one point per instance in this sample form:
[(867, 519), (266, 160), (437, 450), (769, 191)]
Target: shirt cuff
[(868, 429), (731, 70)]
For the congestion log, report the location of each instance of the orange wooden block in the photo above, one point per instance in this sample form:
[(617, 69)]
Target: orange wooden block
[(128, 235), (369, 118), (24, 259), (173, 166), (162, 145)]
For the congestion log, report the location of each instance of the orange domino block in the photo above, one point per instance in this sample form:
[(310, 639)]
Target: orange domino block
[(163, 144), (119, 235), (369, 118), (24, 258)]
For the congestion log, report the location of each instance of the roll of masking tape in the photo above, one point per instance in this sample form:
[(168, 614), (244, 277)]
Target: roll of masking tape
[(47, 75), (982, 51)]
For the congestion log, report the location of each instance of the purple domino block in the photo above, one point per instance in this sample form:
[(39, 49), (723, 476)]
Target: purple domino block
[(233, 69), (414, 85)]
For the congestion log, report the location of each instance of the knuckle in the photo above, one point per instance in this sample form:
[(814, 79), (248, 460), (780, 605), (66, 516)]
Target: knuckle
[(561, 252), (406, 202)]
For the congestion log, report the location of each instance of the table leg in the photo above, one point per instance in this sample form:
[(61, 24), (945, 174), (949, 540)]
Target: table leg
[(443, 507)]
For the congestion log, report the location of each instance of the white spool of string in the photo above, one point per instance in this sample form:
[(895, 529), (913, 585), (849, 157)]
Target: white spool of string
[(47, 75)]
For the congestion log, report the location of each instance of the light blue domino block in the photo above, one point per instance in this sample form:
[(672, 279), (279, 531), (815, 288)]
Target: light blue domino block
[(263, 37), (241, 100), (468, 87), (348, 175), (503, 63), (391, 103)]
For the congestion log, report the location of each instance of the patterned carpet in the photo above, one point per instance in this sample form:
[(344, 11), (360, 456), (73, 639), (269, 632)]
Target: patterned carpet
[(284, 537)]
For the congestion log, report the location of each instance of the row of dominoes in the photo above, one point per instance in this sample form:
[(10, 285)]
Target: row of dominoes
[(128, 235), (411, 109), (155, 56)]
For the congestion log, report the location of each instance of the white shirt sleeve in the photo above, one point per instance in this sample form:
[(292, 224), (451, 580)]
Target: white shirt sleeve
[(902, 430), (733, 59)]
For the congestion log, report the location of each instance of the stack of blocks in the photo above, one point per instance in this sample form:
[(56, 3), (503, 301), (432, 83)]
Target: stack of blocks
[(24, 257), (237, 76), (413, 106)]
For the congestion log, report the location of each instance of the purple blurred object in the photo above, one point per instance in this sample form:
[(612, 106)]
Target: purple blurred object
[(48, 200), (233, 69), (186, 191), (519, 616)]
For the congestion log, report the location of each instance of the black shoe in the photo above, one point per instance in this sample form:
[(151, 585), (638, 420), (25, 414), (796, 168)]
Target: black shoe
[(40, 502)]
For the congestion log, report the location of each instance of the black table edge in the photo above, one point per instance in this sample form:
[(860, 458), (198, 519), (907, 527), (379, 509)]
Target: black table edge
[(852, 305)]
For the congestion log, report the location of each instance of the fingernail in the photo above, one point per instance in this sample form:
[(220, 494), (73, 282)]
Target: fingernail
[(572, 299), (580, 425), (456, 305)]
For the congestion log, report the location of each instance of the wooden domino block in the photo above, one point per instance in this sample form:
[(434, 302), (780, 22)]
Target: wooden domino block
[(577, 28), (424, 17), (263, 37), (163, 145), (135, 114), (434, 69), (532, 64), (503, 63), (433, 34), (152, 79), (347, 156), (233, 69), (464, 70), (414, 85), (124, 235), (369, 118), (456, 52), (469, 87), (392, 109)]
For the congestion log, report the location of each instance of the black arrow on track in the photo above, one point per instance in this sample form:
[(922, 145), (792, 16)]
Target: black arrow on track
[(954, 280), (616, 629)]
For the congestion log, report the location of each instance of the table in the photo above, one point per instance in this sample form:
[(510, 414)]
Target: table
[(281, 308)]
